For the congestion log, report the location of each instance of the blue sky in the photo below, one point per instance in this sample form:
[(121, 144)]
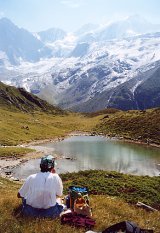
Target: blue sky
[(70, 15)]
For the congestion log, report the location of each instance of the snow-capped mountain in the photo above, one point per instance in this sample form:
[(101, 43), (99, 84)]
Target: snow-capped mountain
[(87, 28), (17, 44), (105, 67), (63, 43), (80, 50), (51, 35), (89, 75), (140, 92), (131, 26)]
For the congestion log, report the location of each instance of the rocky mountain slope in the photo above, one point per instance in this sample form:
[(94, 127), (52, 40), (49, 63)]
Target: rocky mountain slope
[(140, 92), (13, 98)]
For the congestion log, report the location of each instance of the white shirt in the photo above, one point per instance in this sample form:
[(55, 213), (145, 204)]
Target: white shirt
[(40, 189)]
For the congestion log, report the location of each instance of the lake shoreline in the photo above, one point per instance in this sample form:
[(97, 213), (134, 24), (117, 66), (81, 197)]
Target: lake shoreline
[(78, 133), (140, 142), (8, 164)]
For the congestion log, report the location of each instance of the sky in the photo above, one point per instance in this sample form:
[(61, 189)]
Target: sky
[(70, 15)]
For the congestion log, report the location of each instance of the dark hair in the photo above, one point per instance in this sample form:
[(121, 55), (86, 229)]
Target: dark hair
[(47, 163), (45, 168)]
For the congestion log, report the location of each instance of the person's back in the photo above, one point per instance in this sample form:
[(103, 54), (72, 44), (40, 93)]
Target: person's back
[(40, 190)]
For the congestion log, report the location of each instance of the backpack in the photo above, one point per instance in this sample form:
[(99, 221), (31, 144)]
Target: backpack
[(127, 227), (73, 194)]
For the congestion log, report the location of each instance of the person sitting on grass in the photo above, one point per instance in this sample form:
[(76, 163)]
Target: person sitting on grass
[(39, 192)]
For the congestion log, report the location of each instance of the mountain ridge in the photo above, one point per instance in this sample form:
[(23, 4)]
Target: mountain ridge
[(19, 44), (19, 99)]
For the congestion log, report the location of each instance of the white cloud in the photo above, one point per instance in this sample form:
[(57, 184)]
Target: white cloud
[(73, 3)]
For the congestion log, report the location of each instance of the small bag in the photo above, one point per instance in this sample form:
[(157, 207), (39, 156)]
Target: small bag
[(77, 220), (127, 227), (83, 210), (81, 207)]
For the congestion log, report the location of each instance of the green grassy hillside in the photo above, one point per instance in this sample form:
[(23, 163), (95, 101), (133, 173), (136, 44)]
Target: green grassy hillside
[(135, 125), (13, 98), (19, 127), (25, 117)]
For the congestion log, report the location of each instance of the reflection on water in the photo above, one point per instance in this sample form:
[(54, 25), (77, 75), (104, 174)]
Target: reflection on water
[(99, 153)]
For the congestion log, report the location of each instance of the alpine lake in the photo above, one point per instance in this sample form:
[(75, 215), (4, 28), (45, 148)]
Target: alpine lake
[(77, 153)]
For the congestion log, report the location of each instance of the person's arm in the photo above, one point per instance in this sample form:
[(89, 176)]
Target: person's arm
[(24, 189), (59, 190)]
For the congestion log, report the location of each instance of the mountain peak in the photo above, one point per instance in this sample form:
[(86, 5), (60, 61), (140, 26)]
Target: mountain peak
[(19, 44), (52, 34), (6, 21), (86, 28)]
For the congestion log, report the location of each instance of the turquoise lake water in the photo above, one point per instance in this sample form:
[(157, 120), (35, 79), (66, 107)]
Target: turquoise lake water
[(95, 152)]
